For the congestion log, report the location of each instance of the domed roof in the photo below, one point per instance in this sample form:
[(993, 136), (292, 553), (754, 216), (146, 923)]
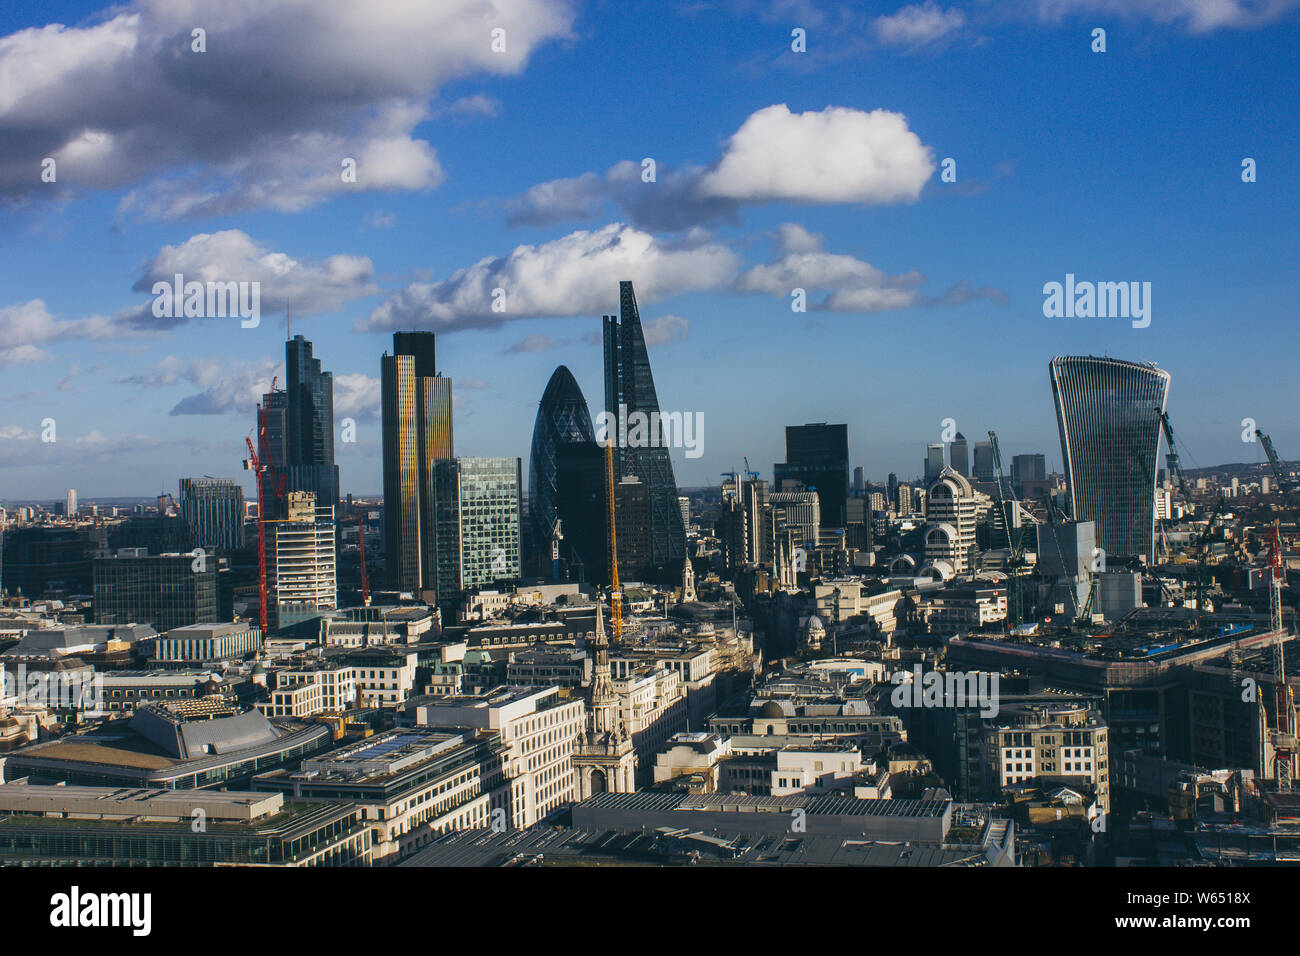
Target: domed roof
[(815, 623), (771, 709)]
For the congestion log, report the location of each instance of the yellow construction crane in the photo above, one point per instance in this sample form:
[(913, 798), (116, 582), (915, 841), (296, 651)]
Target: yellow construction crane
[(615, 591)]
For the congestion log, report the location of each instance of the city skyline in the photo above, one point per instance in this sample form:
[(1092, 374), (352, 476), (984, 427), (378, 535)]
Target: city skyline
[(715, 243)]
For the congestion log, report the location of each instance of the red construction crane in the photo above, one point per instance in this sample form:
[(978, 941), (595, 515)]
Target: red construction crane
[(361, 539)]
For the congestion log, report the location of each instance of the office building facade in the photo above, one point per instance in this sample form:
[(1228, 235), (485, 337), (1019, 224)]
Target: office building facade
[(309, 425), (562, 419), (1108, 414), (817, 459), (304, 578), (213, 509), (165, 590), (630, 390), (417, 431), (477, 523)]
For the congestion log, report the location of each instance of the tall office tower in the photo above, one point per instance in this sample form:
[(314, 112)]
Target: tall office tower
[(582, 509), (273, 450), (891, 491), (982, 461), (629, 389), (163, 590), (754, 495), (309, 425), (1108, 414), (950, 520), (562, 419), (415, 405), (1027, 468), (304, 580), (685, 504), (905, 504), (817, 456), (632, 514), (933, 461), (958, 458), (859, 481), (797, 517), (213, 509), (70, 505), (477, 504), (857, 526)]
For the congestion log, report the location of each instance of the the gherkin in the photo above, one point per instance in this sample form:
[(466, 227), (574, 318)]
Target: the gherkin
[(562, 419)]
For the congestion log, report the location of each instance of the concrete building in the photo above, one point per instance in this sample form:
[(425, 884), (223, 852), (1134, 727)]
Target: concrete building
[(537, 727), (950, 520), (101, 826), (305, 580), (410, 785)]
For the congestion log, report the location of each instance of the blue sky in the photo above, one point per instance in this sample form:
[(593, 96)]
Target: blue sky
[(773, 170)]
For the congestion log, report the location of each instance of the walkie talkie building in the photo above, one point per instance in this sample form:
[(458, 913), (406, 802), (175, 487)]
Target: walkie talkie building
[(1108, 412), (630, 389)]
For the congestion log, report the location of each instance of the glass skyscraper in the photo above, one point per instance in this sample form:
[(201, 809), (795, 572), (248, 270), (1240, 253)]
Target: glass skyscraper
[(417, 431), (817, 458), (309, 425), (1108, 413), (477, 516), (213, 509), (562, 419), (630, 389)]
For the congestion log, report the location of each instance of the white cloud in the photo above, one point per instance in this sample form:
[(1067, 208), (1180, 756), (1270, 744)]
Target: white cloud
[(577, 274), (232, 255), (27, 326), (666, 329), (838, 155), (918, 25), (356, 395), (284, 92), (227, 386), (851, 285), (1197, 16)]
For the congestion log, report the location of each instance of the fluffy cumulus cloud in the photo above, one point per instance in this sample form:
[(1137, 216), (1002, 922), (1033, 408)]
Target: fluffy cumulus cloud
[(233, 256), (264, 117), (835, 155), (26, 327), (577, 274), (848, 284), (918, 25), (356, 395)]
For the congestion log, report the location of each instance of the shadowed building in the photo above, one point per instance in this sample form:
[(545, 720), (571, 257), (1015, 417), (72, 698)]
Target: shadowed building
[(309, 425), (1108, 413), (817, 459), (629, 391), (562, 419)]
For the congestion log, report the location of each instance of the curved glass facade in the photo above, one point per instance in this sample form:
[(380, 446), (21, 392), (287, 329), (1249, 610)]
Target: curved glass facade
[(1108, 413), (562, 419)]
